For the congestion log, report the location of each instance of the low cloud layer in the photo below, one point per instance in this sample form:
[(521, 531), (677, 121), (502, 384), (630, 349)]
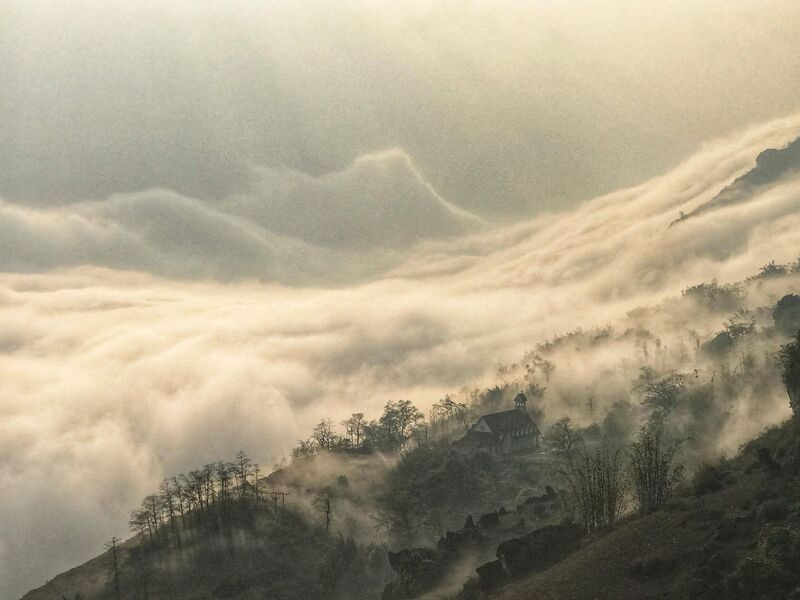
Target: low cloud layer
[(119, 371), (291, 227)]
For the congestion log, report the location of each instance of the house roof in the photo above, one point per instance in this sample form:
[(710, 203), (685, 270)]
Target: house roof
[(509, 420), (477, 439)]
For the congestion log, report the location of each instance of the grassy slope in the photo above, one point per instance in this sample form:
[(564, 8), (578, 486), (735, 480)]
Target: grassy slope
[(90, 579), (729, 525)]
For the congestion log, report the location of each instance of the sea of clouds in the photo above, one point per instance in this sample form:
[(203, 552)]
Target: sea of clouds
[(222, 221), (185, 346)]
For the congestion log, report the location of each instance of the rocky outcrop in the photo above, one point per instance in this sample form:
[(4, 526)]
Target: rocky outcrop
[(489, 520), (528, 553), (418, 569)]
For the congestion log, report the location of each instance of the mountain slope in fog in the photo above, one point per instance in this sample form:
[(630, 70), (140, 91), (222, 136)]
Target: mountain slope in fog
[(771, 165), (730, 535)]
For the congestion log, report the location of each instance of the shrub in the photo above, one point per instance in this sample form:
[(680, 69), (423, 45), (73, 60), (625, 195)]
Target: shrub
[(653, 469), (772, 510), (707, 479)]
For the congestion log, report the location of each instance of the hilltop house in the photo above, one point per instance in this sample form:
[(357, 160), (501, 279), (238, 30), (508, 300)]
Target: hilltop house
[(502, 433)]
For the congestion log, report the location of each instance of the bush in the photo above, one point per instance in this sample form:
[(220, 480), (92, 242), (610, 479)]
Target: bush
[(654, 471), (595, 479), (786, 314), (707, 479), (789, 362), (772, 510)]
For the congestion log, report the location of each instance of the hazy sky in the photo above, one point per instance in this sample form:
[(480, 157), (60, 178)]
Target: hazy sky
[(505, 107), (230, 217)]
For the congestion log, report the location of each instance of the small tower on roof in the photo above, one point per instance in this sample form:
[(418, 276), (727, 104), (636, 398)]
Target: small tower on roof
[(520, 402)]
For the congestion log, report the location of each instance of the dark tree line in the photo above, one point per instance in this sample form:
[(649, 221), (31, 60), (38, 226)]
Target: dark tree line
[(600, 480), (210, 494), (400, 423)]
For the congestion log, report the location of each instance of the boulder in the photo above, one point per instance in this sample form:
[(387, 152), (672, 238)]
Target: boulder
[(489, 520), (539, 548), (418, 570), (491, 575)]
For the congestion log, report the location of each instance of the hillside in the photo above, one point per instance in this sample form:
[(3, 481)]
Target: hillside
[(384, 508), (736, 542)]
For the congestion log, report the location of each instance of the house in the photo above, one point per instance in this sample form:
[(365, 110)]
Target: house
[(502, 433)]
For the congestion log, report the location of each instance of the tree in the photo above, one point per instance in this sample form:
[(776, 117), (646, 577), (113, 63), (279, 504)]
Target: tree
[(447, 408), (789, 362), (178, 485), (595, 478), (322, 502), (399, 421), (168, 501), (323, 434), (786, 314), (653, 469), (140, 523), (537, 361), (354, 428), (305, 448), (740, 325), (659, 394), (112, 546), (772, 270), (223, 471), (242, 469)]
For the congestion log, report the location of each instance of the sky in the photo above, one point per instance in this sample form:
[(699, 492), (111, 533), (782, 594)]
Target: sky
[(220, 221)]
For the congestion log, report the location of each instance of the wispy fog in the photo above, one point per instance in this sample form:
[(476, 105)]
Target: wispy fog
[(507, 107), (112, 378), (221, 221)]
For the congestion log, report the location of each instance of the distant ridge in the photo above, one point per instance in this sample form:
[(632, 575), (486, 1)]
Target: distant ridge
[(771, 165)]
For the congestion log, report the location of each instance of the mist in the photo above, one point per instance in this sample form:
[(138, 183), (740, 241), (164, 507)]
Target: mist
[(223, 221), (507, 108), (113, 379)]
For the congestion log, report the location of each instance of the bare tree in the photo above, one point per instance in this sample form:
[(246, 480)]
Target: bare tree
[(653, 469), (305, 448), (595, 478), (323, 434), (447, 409), (354, 428), (180, 496), (242, 469), (112, 546), (323, 504), (167, 497)]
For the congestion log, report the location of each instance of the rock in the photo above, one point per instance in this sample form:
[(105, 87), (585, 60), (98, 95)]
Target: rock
[(489, 520), (652, 566), (765, 460), (455, 541), (418, 570), (759, 579), (540, 511), (471, 591), (539, 548), (491, 575), (636, 568), (772, 510)]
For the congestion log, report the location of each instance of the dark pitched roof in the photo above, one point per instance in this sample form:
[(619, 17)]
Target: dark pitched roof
[(509, 420), (477, 439)]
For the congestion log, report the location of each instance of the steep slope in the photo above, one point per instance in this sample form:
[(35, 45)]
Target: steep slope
[(771, 166), (737, 542)]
